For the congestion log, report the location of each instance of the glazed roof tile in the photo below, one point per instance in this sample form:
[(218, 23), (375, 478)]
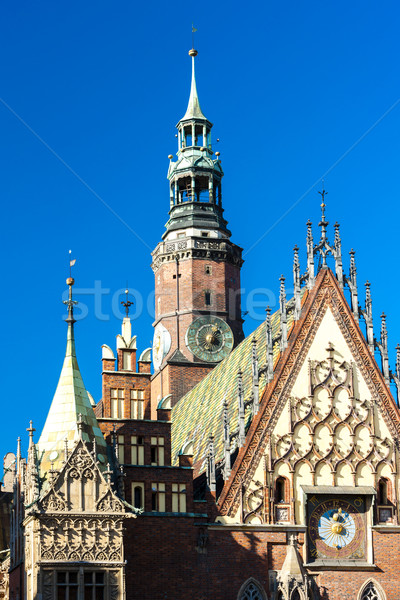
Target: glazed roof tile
[(199, 414)]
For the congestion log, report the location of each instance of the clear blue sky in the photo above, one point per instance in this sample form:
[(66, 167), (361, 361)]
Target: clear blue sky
[(289, 86)]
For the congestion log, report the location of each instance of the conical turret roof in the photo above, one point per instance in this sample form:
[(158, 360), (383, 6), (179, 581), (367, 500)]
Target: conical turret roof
[(70, 401)]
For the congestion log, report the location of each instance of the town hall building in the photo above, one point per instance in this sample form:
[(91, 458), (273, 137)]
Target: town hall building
[(217, 466)]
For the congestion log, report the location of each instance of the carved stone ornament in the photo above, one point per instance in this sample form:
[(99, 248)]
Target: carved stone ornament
[(110, 503), (81, 539)]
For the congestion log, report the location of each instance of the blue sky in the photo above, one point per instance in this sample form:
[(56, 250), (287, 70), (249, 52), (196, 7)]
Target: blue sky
[(90, 95)]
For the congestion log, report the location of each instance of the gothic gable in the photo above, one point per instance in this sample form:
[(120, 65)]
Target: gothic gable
[(79, 486), (327, 418)]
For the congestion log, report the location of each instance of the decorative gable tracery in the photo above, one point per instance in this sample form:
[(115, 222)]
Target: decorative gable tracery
[(79, 519), (325, 294), (331, 426)]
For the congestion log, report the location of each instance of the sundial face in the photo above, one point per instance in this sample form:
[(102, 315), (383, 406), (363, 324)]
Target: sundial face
[(336, 528), (209, 338)]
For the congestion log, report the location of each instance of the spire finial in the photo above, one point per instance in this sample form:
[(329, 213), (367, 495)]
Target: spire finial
[(323, 223), (70, 302), (127, 302)]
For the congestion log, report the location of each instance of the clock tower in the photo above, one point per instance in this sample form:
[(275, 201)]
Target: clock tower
[(196, 265)]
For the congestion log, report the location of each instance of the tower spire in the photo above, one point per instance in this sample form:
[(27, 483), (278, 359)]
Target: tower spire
[(193, 110)]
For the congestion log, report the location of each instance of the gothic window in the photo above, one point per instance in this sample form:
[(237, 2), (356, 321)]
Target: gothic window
[(295, 595), (138, 495), (94, 585), (121, 449), (207, 298), (137, 450), (67, 585), (117, 404), (158, 497), (82, 584), (178, 497), (251, 591), (370, 592), (137, 404), (157, 451)]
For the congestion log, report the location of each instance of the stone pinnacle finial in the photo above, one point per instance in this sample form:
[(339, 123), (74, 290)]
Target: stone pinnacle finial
[(296, 283), (31, 429), (283, 313)]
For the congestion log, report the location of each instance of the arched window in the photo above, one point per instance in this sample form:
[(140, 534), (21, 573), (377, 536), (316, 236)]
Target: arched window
[(295, 595), (370, 592), (383, 491), (251, 590), (281, 490)]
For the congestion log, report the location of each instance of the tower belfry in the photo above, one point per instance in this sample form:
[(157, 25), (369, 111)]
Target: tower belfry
[(196, 266), (195, 178)]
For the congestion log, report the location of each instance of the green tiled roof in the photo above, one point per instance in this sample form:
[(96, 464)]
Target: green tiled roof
[(199, 413)]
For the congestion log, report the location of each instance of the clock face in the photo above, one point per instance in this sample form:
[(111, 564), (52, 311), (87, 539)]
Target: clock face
[(209, 338), (336, 527), (161, 345)]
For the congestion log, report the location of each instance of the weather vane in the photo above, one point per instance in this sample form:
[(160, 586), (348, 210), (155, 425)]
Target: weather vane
[(193, 32), (127, 302)]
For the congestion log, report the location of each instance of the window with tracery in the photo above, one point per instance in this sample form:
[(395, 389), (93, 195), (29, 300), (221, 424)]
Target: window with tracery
[(371, 593), (252, 592)]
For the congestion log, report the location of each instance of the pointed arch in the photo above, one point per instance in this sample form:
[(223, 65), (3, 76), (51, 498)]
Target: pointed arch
[(371, 590), (252, 590)]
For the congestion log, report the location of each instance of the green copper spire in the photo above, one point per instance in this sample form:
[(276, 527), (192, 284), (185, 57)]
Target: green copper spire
[(71, 414), (193, 110)]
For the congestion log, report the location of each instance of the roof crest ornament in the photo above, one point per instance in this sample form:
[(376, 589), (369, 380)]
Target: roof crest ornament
[(211, 480), (254, 366), (396, 375), (270, 348), (366, 313), (296, 284), (283, 313), (227, 440), (241, 409), (127, 302), (382, 346)]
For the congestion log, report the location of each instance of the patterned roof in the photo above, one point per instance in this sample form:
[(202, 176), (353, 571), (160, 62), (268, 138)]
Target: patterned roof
[(199, 413)]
